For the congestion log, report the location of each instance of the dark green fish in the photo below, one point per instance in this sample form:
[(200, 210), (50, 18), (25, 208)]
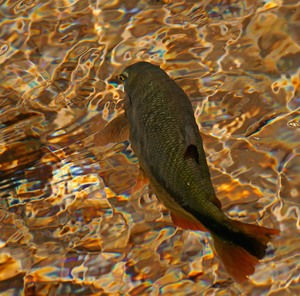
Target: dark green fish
[(166, 139)]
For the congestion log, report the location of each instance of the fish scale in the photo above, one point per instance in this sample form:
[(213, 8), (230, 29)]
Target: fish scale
[(157, 137)]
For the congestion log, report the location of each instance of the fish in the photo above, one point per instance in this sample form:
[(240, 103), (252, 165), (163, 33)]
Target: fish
[(166, 139)]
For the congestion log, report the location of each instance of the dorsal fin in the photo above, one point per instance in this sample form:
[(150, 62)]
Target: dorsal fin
[(191, 150)]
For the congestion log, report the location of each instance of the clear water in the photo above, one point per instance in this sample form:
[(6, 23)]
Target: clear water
[(69, 223)]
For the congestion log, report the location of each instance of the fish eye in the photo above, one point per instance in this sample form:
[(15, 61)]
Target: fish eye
[(122, 77)]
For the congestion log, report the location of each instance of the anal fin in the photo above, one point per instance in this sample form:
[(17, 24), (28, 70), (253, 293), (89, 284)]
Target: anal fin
[(186, 223)]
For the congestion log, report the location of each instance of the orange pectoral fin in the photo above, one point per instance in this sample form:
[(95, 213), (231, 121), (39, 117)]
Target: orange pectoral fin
[(117, 130), (185, 223)]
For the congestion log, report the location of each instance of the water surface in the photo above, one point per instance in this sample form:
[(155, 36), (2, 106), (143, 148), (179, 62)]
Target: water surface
[(69, 222)]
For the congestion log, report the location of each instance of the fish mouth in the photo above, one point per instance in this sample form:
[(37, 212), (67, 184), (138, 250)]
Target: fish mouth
[(114, 80)]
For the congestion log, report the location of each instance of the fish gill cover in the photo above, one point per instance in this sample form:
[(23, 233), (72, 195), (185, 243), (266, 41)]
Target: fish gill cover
[(69, 222)]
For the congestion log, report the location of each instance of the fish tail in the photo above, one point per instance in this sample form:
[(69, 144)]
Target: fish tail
[(241, 248)]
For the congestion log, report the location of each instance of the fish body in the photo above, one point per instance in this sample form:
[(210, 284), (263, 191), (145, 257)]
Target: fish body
[(165, 137)]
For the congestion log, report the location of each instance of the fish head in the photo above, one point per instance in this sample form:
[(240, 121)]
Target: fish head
[(134, 72), (136, 76)]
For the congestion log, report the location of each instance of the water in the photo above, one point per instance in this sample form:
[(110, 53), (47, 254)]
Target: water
[(69, 223)]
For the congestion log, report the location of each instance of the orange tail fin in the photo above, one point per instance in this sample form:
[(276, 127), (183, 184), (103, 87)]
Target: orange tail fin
[(239, 261), (260, 233)]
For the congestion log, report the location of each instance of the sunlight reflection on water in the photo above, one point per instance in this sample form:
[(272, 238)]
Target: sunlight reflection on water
[(69, 224)]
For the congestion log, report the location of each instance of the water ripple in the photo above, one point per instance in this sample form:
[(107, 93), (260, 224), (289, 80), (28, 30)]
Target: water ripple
[(70, 223)]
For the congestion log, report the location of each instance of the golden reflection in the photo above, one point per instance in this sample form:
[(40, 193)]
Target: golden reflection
[(70, 222)]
